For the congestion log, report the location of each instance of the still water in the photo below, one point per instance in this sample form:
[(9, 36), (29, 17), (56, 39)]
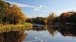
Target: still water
[(55, 34), (41, 34)]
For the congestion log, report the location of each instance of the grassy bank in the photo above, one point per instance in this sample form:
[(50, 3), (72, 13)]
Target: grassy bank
[(11, 27)]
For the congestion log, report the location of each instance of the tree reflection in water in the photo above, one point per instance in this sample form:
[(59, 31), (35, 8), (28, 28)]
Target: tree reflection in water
[(51, 30), (12, 36), (64, 30), (68, 31)]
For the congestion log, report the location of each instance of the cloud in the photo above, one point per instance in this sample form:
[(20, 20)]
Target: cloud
[(45, 6), (36, 8), (21, 5), (40, 7)]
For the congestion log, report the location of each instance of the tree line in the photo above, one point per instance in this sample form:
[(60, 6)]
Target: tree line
[(64, 18)]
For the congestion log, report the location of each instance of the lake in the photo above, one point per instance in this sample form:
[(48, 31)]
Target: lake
[(41, 34)]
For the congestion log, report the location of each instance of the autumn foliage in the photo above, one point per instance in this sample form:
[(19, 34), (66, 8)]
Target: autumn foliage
[(10, 13), (69, 17)]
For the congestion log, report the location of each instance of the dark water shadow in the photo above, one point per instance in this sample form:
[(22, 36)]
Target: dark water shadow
[(64, 30), (12, 36)]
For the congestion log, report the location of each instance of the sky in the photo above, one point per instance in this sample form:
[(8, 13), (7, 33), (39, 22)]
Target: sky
[(42, 8)]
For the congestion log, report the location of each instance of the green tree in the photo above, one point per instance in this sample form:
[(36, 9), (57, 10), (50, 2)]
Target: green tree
[(50, 18)]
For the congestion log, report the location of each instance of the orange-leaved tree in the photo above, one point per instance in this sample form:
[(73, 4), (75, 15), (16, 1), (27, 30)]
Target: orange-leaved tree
[(15, 15)]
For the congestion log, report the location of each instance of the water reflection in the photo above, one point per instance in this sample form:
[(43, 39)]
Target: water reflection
[(42, 34), (12, 36), (40, 28), (65, 30), (51, 33), (51, 30)]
